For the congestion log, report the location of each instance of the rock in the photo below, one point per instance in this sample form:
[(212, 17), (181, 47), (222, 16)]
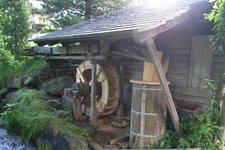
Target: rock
[(3, 91), (119, 125), (119, 140), (53, 142), (12, 96), (14, 82), (95, 146), (78, 143), (67, 102), (55, 104), (56, 86), (62, 143)]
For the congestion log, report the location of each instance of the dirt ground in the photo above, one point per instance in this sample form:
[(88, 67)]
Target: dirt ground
[(106, 132), (103, 132)]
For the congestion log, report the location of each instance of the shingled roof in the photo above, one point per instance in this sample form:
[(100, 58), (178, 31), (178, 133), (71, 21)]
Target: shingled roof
[(122, 22)]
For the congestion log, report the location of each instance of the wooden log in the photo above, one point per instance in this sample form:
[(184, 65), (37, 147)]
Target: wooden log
[(93, 111), (120, 111), (77, 113), (162, 78)]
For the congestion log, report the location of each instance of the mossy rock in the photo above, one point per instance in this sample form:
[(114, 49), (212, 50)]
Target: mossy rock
[(31, 117)]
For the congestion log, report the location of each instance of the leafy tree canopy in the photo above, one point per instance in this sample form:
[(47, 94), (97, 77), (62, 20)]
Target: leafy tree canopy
[(16, 28), (68, 12)]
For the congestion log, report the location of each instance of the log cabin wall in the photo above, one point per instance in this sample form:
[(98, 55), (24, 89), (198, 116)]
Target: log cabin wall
[(180, 45), (191, 61)]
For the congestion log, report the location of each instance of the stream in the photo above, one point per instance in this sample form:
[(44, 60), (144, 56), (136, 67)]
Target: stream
[(11, 142)]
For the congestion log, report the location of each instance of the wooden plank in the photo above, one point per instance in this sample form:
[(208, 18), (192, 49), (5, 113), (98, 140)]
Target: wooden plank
[(165, 65), (68, 57), (189, 98), (191, 91), (149, 73), (162, 78), (200, 61)]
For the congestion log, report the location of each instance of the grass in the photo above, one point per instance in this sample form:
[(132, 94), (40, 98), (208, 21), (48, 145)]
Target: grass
[(31, 117)]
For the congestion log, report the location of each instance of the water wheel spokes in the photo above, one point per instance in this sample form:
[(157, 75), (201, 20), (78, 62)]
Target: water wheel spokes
[(107, 91)]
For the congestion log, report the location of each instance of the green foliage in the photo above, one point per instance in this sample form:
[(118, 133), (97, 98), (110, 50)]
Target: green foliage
[(213, 110), (217, 16), (30, 117), (47, 29), (17, 27), (26, 66), (199, 131), (44, 147), (14, 31), (68, 12)]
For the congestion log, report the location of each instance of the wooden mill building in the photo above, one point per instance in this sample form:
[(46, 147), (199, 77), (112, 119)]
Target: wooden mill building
[(125, 39)]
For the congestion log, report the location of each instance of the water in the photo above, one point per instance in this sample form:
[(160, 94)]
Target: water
[(9, 142)]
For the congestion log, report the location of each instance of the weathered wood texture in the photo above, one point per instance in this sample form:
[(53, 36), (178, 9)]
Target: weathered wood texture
[(133, 69), (163, 82), (190, 63), (148, 115), (200, 61), (94, 47), (177, 45)]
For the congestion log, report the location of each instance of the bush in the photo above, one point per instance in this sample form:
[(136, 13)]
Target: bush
[(198, 132)]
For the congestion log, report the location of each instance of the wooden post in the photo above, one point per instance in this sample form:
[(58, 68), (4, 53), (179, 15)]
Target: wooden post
[(162, 78), (93, 112), (77, 113), (120, 111)]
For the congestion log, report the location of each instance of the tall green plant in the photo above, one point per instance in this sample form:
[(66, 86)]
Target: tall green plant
[(217, 16)]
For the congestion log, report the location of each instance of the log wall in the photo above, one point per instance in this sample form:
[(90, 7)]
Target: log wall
[(178, 45)]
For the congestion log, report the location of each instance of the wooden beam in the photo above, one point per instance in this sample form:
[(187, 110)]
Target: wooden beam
[(93, 110), (162, 78), (69, 57), (131, 55)]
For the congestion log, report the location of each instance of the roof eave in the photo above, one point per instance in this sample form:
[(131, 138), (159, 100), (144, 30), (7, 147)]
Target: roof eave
[(86, 37)]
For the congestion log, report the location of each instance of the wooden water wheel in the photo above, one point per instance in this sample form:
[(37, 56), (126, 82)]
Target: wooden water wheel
[(108, 87)]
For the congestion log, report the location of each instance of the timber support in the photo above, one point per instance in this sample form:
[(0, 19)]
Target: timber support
[(93, 112), (162, 78)]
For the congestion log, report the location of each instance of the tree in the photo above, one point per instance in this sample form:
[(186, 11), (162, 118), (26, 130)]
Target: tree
[(217, 16), (17, 28), (68, 12)]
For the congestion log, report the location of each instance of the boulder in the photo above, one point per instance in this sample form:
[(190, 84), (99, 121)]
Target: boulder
[(12, 96), (60, 142), (78, 143), (14, 82), (55, 104), (56, 86), (67, 102), (3, 91)]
